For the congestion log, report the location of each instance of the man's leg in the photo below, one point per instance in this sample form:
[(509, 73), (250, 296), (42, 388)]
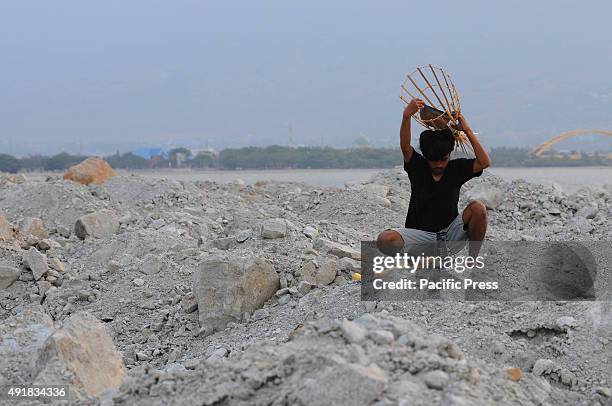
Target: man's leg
[(475, 220), (390, 242), (405, 240)]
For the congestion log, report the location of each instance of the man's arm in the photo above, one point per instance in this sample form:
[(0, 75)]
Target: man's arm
[(411, 109), (482, 158)]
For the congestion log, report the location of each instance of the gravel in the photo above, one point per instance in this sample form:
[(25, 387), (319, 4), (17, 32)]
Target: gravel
[(314, 341)]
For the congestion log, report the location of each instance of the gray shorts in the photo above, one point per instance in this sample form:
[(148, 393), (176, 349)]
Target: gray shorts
[(447, 241)]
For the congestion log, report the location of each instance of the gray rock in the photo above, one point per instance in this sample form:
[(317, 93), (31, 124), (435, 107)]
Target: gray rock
[(310, 232), (436, 379), (225, 243), (381, 337), (192, 363), (304, 287), (46, 244), (8, 275), (567, 377), (33, 226), (152, 265), (581, 225), (588, 212), (138, 282), (274, 228), (283, 300), (6, 230), (56, 264), (320, 272), (376, 189), (226, 288), (100, 224), (43, 287), (63, 231), (348, 264), (565, 322), (36, 262), (143, 356), (189, 303), (543, 366), (337, 249), (243, 235), (174, 368)]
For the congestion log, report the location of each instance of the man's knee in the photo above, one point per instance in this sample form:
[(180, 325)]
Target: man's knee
[(389, 242), (478, 210)]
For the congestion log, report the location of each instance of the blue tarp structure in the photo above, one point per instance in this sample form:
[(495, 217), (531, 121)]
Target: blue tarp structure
[(148, 153)]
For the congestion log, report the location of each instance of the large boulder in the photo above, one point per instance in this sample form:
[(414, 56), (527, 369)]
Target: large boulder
[(92, 170), (491, 196), (100, 224), (83, 350), (227, 288), (6, 230)]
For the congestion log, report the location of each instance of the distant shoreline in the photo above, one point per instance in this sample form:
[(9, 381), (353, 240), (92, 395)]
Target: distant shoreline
[(568, 179), (277, 157)]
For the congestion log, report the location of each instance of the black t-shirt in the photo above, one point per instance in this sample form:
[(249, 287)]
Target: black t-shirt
[(433, 205)]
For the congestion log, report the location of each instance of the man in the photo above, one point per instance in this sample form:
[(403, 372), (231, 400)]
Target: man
[(435, 182)]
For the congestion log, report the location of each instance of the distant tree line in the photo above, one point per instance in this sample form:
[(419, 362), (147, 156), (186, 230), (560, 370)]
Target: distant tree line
[(280, 157), (520, 156)]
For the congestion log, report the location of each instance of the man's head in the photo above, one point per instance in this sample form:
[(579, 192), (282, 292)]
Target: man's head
[(436, 147)]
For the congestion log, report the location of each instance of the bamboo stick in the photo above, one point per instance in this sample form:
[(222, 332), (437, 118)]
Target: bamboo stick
[(402, 98), (408, 91), (420, 91), (451, 94), (431, 87), (443, 92), (450, 117)]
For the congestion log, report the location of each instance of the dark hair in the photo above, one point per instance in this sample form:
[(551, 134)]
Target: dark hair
[(435, 144)]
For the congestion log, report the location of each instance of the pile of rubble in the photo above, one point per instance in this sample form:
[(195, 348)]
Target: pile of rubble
[(199, 282)]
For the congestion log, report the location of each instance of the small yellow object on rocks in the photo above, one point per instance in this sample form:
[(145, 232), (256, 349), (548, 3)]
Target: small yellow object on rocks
[(514, 374), (356, 277)]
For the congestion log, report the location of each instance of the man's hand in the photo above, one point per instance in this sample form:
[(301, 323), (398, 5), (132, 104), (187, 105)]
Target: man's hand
[(463, 124), (412, 107), (410, 110)]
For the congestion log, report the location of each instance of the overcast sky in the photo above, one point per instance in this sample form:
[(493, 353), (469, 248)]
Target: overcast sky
[(100, 76)]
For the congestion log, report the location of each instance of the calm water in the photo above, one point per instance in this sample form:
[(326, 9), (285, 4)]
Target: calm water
[(570, 179)]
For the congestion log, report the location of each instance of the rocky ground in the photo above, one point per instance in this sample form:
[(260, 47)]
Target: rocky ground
[(142, 291)]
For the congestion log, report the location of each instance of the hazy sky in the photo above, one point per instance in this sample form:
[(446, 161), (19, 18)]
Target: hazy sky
[(106, 75)]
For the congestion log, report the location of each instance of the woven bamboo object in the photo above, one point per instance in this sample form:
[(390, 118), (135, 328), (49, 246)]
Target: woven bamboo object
[(442, 105)]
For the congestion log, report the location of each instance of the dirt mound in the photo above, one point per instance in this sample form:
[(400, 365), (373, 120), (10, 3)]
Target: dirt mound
[(92, 170), (376, 359)]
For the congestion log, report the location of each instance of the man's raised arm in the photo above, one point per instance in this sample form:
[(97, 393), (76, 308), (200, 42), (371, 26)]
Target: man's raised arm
[(414, 106), (482, 158)]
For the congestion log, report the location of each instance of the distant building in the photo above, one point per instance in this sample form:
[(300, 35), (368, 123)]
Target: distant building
[(204, 151)]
